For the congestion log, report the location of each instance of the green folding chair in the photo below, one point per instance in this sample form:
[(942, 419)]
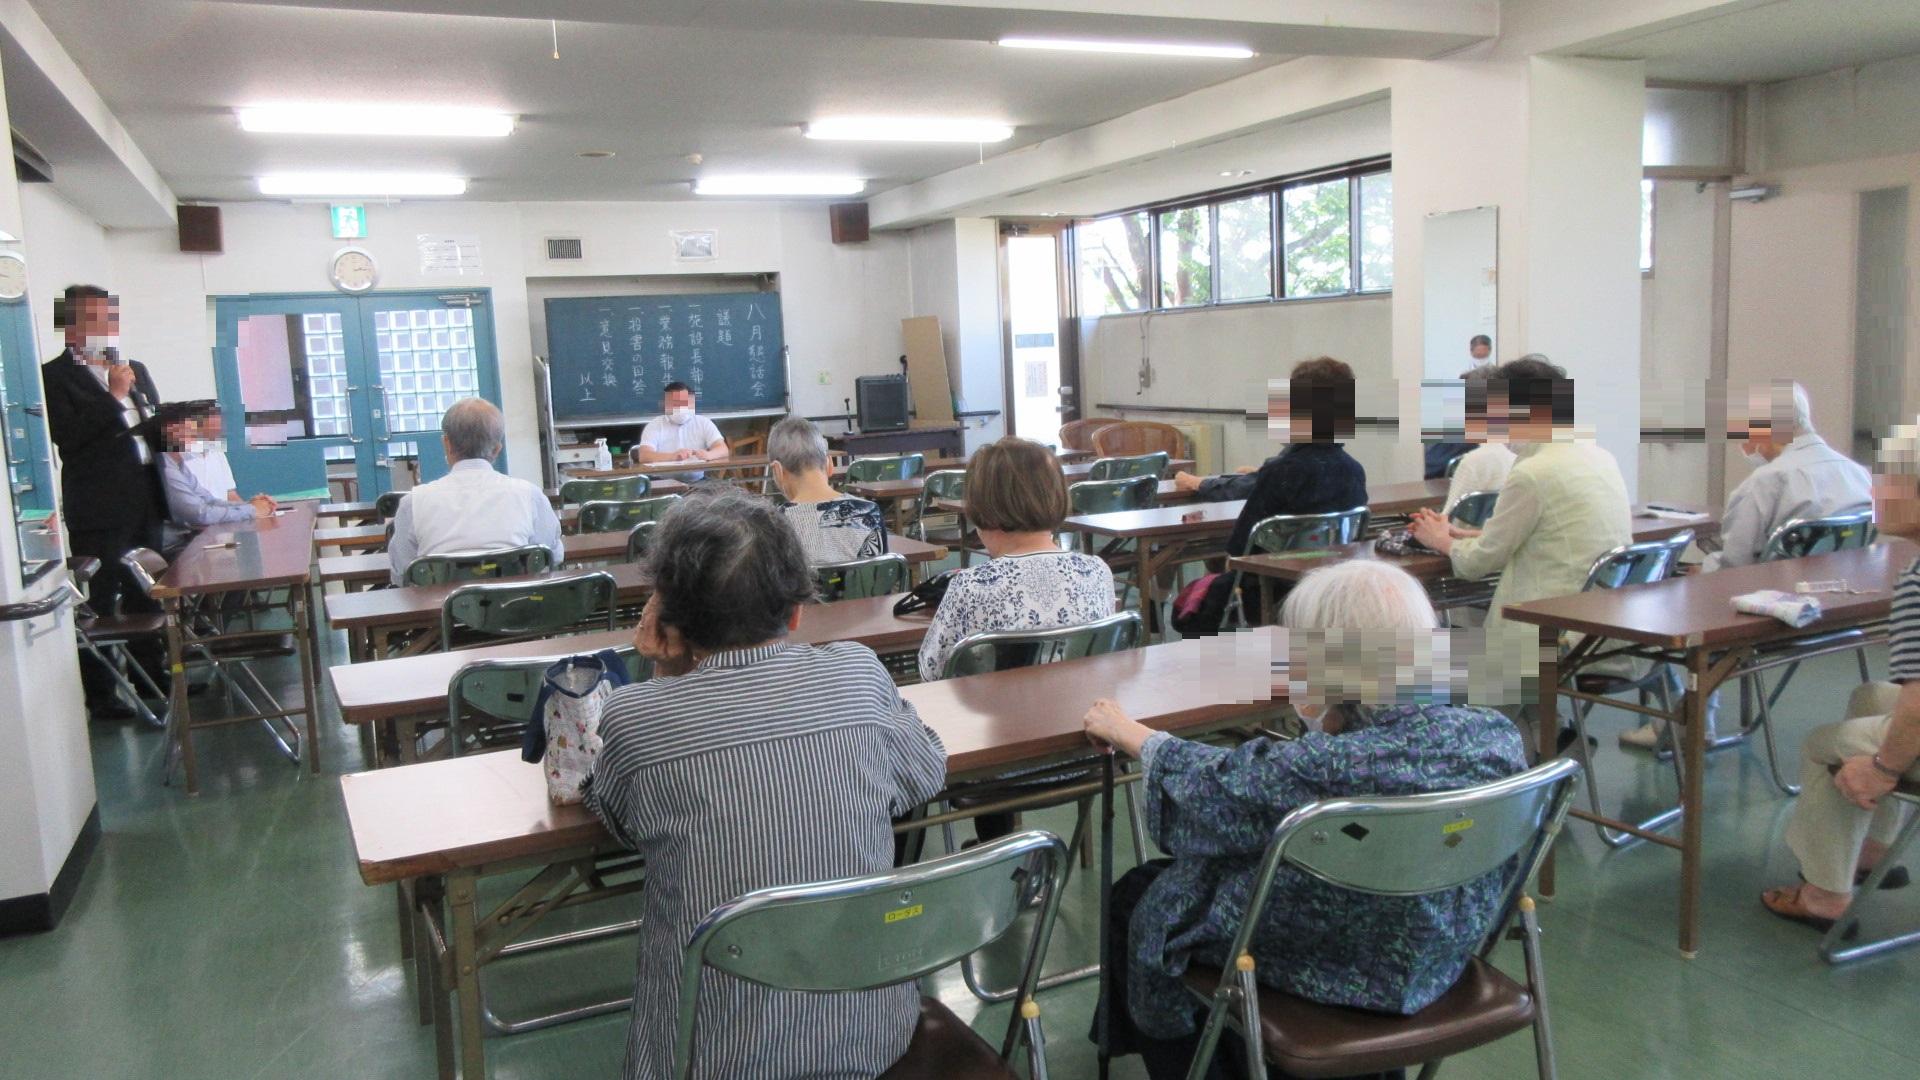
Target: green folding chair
[(388, 504), (528, 608), (858, 579), (942, 484), (1121, 468), (902, 467), (1294, 532), (607, 515), (606, 489), (1474, 508), (455, 566), (489, 702), (640, 540)]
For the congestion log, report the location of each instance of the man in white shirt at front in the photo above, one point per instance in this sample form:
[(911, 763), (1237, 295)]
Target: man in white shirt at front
[(474, 507), (1796, 475), (681, 434)]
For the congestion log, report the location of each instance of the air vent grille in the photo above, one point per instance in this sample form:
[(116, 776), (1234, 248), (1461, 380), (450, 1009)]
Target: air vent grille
[(563, 247)]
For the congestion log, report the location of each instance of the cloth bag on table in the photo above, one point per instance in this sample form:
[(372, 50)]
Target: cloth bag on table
[(563, 733)]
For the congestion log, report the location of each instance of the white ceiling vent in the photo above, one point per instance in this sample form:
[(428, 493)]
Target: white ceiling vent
[(562, 248)]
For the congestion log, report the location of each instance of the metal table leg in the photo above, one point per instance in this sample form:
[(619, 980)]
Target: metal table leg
[(1692, 796), (1105, 1019), (1547, 726), (181, 718)]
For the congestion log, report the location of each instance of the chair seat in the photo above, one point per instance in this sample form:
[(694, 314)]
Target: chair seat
[(945, 1048), (1605, 684), (133, 624), (1310, 1040)]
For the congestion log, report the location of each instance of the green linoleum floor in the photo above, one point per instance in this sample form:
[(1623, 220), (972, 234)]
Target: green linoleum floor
[(229, 936)]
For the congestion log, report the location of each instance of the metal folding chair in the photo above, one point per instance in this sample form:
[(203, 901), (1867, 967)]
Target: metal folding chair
[(107, 637), (490, 702), (1110, 496), (888, 928), (605, 515), (1407, 845), (858, 579), (1841, 945), (1072, 782), (1473, 509), (1294, 532), (527, 608), (1629, 564), (1122, 468), (896, 467), (1798, 539), (640, 540), (1453, 463), (942, 484), (606, 489), (388, 504), (455, 566)]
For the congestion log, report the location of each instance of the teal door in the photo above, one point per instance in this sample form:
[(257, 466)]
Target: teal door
[(29, 460), (323, 387)]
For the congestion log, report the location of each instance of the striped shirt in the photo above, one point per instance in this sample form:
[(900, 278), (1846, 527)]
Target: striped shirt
[(1905, 628), (776, 765)]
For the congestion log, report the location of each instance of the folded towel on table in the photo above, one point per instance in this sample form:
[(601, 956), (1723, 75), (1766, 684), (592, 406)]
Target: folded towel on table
[(1790, 608)]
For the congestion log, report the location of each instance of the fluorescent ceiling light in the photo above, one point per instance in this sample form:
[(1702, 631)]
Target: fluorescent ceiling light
[(889, 130), (1148, 48), (361, 183), (417, 120), (779, 185)]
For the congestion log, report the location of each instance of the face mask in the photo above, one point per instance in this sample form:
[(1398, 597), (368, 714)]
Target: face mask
[(1754, 457), (680, 414), (202, 446), (1314, 721), (102, 347)]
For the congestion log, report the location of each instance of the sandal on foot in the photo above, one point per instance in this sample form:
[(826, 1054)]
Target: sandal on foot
[(1897, 878), (1786, 904)]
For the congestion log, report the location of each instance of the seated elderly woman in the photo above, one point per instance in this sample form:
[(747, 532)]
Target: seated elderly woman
[(1213, 809), (750, 762), (832, 527)]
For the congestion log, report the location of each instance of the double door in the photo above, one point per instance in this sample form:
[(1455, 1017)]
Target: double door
[(328, 389)]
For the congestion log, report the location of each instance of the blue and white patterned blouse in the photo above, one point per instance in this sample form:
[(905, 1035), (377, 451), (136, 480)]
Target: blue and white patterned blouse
[(1214, 809), (838, 530), (1040, 591)]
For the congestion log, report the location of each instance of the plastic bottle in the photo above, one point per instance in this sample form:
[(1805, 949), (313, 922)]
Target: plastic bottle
[(602, 457)]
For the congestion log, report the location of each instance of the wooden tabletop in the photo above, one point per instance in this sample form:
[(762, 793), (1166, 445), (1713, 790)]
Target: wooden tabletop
[(751, 461), (417, 685), (1208, 518), (260, 554), (440, 816), (1426, 567), (1697, 609), (419, 605)]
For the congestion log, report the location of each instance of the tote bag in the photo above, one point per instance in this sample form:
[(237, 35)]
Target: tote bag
[(564, 732)]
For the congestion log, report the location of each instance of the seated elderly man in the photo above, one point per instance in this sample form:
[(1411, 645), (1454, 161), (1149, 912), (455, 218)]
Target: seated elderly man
[(474, 507), (832, 527), (1843, 820), (1213, 809), (1796, 475)]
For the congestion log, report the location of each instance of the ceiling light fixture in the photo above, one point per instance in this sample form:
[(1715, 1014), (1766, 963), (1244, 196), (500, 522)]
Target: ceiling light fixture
[(893, 130), (420, 121), (779, 185), (597, 155), (361, 183), (1144, 48)]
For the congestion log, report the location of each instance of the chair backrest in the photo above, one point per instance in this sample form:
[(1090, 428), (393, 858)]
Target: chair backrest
[(454, 566), (861, 578), (607, 515), (1637, 564), (998, 650), (1817, 536), (388, 504), (1453, 463), (501, 693), (146, 566), (1308, 532), (1078, 434), (941, 484), (1106, 496), (897, 467), (640, 540), (1474, 508), (519, 608), (606, 489), (1130, 437), (878, 930), (1121, 468)]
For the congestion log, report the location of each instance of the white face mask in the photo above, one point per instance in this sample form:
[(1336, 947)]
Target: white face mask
[(680, 414), (1314, 721), (100, 347), (202, 446), (1754, 457)]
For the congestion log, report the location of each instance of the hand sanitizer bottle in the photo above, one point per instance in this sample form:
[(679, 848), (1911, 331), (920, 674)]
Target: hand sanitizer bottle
[(602, 457)]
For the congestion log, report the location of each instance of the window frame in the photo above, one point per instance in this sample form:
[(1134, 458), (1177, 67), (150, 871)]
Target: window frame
[(1274, 189)]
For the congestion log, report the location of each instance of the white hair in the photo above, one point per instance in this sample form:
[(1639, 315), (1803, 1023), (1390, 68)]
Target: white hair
[(1361, 632), (474, 428), (797, 445), (1789, 412)]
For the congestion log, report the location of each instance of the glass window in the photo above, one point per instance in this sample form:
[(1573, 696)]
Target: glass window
[(1315, 232), (1246, 248), (1376, 232), (1114, 261), (1186, 257), (1646, 226)]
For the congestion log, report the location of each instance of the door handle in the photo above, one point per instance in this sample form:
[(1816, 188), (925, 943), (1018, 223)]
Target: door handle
[(355, 441)]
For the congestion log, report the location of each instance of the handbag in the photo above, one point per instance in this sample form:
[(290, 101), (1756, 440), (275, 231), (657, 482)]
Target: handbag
[(563, 734), (927, 594)]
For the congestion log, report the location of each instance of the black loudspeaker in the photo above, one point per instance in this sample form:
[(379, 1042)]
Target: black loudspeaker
[(200, 229), (849, 222)]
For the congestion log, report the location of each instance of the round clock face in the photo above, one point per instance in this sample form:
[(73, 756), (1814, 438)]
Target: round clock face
[(13, 275), (353, 270)]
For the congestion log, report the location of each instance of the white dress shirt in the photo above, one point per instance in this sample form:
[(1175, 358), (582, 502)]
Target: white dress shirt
[(1809, 479), (1483, 468), (472, 508), (663, 436)]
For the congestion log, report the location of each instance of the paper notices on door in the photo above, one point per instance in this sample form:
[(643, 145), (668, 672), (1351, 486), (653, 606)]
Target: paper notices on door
[(449, 256)]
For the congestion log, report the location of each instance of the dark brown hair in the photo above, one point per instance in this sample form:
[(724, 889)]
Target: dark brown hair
[(1323, 388), (1534, 381), (1014, 485)]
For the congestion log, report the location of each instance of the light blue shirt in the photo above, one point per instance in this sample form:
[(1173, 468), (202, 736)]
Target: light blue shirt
[(190, 501), (1808, 480)]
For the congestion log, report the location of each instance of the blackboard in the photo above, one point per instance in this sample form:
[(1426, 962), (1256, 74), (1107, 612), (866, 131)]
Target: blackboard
[(611, 356)]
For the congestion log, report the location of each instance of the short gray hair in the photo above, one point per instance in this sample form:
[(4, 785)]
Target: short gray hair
[(727, 569), (474, 429), (1789, 412), (797, 445), (1361, 632)]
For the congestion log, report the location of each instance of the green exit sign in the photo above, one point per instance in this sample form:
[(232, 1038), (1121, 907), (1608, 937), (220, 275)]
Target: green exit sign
[(349, 221)]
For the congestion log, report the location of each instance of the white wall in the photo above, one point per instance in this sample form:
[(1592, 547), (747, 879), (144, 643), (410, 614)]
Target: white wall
[(1676, 341), (955, 271), (1854, 113), (841, 303)]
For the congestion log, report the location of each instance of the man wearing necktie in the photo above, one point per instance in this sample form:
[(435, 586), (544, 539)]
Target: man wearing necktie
[(110, 491)]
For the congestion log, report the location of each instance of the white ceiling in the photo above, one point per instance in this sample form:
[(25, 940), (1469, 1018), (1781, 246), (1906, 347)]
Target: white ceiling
[(654, 81), (1771, 41)]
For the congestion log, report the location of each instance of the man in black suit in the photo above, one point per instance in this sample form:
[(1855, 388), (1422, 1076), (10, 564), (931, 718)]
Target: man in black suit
[(110, 490)]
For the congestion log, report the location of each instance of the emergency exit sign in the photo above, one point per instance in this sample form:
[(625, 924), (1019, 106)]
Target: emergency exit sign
[(349, 221)]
